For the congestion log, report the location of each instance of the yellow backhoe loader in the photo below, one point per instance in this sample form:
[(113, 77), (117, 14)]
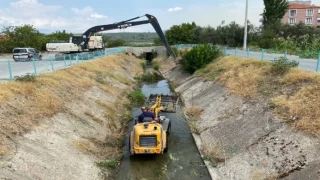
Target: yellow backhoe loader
[(150, 136)]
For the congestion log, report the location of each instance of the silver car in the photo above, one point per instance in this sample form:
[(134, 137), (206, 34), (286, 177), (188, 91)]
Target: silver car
[(26, 54)]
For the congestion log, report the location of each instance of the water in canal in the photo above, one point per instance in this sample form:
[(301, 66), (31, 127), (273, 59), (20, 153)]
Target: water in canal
[(182, 161)]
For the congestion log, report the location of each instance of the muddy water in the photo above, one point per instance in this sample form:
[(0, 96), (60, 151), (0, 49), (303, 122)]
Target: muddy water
[(182, 161)]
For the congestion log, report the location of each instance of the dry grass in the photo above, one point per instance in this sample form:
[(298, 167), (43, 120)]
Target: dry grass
[(295, 95), (302, 108), (184, 51), (84, 145), (258, 175), (193, 116), (25, 105), (296, 76), (214, 152), (242, 76), (194, 111), (98, 148), (3, 151), (93, 117), (261, 175)]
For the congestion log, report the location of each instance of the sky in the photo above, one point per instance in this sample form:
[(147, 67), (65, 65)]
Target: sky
[(76, 16)]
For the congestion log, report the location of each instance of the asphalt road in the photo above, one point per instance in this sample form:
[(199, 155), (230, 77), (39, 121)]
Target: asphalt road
[(48, 64), (45, 65), (23, 68)]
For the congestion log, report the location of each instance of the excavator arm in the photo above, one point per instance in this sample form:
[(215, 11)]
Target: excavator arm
[(84, 39), (161, 103)]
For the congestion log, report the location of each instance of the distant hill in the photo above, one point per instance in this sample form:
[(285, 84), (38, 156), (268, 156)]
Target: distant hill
[(133, 37)]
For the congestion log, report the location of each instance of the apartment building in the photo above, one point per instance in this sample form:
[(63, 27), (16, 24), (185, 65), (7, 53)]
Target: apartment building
[(302, 11)]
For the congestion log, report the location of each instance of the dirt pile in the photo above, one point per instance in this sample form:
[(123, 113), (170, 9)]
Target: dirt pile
[(65, 124), (250, 122)]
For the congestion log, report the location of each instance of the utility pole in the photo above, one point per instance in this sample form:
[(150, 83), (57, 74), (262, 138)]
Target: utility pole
[(245, 28)]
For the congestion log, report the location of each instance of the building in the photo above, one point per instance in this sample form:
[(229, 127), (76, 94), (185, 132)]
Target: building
[(302, 11)]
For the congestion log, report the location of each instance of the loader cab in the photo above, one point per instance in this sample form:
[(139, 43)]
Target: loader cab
[(76, 39)]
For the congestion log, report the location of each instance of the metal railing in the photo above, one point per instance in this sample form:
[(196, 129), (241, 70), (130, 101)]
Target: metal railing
[(310, 63), (51, 63)]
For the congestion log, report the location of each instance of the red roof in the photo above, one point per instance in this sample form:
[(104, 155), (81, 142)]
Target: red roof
[(302, 6)]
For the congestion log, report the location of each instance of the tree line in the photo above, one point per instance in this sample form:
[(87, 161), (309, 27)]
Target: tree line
[(272, 34), (279, 36)]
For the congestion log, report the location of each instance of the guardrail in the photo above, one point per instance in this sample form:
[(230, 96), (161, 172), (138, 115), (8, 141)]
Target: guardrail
[(310, 64), (51, 63)]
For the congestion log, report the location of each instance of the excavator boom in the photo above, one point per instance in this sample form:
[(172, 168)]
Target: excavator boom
[(84, 39)]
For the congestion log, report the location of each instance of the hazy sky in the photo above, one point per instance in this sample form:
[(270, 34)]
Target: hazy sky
[(78, 15)]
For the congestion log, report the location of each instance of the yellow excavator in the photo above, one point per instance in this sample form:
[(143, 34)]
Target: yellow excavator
[(150, 136)]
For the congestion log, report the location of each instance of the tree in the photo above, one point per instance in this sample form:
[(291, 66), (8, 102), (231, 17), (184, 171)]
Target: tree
[(115, 43), (157, 42), (274, 10), (22, 36), (181, 34), (59, 35)]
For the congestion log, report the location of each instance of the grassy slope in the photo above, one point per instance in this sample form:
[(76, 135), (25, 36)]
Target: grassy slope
[(294, 96), (24, 105)]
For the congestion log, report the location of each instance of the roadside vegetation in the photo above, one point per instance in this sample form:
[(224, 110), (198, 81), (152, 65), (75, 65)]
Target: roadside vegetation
[(198, 57)]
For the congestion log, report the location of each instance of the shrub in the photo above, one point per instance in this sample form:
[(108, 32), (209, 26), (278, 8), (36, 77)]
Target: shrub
[(283, 65), (199, 56), (155, 65), (116, 43), (150, 77), (175, 50), (109, 164), (137, 97), (143, 65), (26, 78)]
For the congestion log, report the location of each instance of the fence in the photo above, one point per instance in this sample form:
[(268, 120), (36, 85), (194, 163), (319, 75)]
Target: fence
[(9, 69), (310, 63)]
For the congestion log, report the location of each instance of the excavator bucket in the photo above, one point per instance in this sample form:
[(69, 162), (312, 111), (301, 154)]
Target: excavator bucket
[(168, 102)]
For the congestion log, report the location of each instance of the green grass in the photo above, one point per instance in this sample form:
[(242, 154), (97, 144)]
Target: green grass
[(137, 97), (150, 77), (109, 164), (144, 66), (155, 65), (26, 78)]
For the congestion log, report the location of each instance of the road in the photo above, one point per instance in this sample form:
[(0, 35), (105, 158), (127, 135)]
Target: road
[(45, 65), (23, 68)]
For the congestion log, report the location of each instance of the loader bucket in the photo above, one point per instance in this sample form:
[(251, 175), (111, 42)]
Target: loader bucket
[(168, 102)]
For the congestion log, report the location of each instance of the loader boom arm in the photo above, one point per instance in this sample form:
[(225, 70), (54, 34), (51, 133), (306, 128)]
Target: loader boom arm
[(84, 39)]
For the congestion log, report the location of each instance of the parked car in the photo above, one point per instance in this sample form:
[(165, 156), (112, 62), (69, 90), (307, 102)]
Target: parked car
[(26, 54)]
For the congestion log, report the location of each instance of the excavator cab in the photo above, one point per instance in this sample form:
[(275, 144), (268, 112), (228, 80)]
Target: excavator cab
[(149, 136)]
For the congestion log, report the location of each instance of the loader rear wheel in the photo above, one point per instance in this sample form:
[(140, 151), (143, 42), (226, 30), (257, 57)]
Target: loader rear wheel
[(131, 154)]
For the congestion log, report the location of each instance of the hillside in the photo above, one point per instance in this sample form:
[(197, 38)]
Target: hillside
[(134, 37)]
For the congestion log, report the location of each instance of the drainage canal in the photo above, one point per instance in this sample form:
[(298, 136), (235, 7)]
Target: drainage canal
[(182, 161)]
